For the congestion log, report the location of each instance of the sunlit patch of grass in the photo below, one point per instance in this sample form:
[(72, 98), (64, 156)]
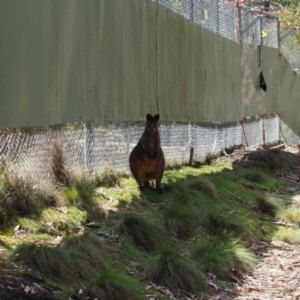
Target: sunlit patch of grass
[(30, 225), (221, 257), (291, 214), (48, 261), (87, 253), (147, 235), (170, 269), (63, 219), (80, 194), (266, 205), (204, 186), (112, 285), (288, 235), (180, 220)]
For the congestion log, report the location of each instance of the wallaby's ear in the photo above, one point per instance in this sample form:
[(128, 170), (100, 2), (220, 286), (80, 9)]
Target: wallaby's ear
[(156, 117), (148, 117)]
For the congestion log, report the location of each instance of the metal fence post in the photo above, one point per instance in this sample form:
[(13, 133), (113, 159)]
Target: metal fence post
[(88, 136)]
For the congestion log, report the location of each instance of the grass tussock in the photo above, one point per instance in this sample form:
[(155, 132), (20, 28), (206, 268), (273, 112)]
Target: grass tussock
[(58, 164), (204, 186), (80, 194), (180, 220), (220, 258), (87, 254), (220, 225), (20, 198), (255, 176), (266, 205), (49, 261), (112, 285), (58, 221), (288, 235), (291, 214), (170, 269), (145, 234), (109, 178)]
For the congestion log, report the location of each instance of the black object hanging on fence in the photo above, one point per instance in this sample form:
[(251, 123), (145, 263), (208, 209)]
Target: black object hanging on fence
[(262, 83)]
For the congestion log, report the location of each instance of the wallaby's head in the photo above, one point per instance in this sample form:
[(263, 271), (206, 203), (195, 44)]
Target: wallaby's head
[(151, 124)]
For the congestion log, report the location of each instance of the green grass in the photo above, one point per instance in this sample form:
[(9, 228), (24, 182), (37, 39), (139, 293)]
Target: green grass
[(170, 269), (204, 222), (221, 257), (181, 221), (266, 205), (88, 254), (49, 261), (204, 186), (114, 284), (147, 235)]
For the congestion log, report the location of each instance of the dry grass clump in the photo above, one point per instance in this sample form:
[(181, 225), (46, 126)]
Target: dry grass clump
[(145, 234), (114, 285), (288, 235), (109, 178), (291, 214), (58, 164), (170, 269), (49, 261), (204, 186), (19, 198)]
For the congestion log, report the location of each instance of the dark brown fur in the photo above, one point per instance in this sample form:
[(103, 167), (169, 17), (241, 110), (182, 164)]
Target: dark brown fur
[(147, 160)]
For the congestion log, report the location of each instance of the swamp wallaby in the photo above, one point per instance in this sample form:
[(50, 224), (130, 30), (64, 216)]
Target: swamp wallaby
[(147, 160)]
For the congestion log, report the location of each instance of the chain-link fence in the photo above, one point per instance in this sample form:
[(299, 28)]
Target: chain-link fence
[(289, 48), (93, 146), (237, 23)]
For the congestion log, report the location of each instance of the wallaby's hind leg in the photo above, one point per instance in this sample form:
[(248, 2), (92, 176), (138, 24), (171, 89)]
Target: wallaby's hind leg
[(136, 175), (158, 186)]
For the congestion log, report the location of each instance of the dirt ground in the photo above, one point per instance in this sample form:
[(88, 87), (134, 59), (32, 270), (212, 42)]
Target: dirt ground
[(276, 277)]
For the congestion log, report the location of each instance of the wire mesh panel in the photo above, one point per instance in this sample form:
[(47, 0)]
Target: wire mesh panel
[(228, 18), (289, 48), (270, 31), (271, 125), (288, 135), (206, 13), (182, 7), (222, 17), (252, 128), (213, 138), (175, 142), (250, 28)]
